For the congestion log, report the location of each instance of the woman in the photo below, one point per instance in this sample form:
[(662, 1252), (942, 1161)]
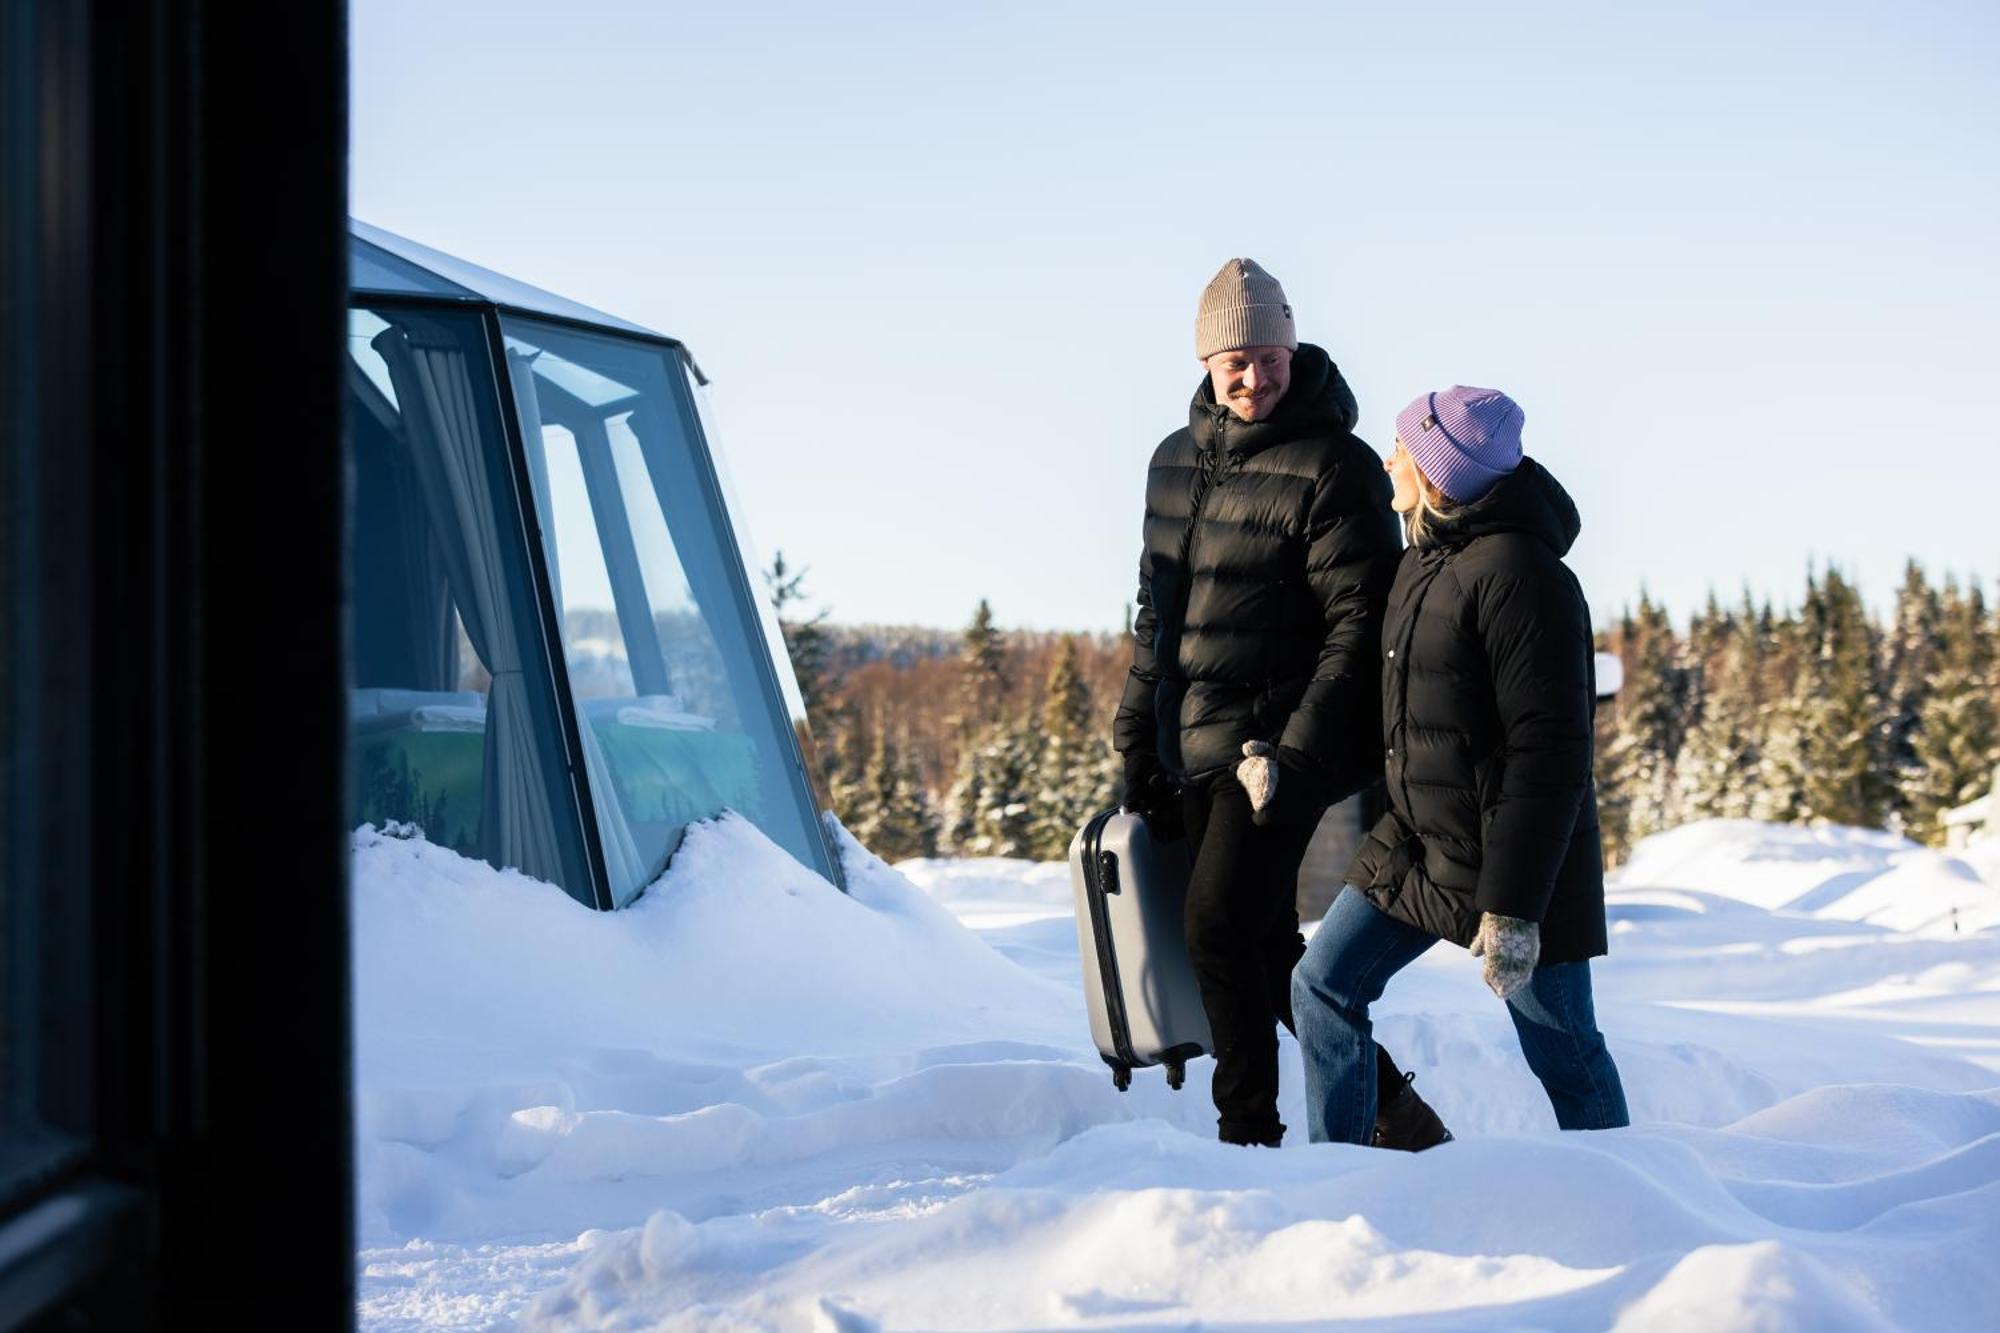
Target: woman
[(1491, 837)]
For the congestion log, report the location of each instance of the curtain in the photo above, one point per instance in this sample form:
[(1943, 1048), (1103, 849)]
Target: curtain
[(441, 420), (403, 635)]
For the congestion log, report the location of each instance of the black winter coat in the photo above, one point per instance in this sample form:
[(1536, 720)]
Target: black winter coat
[(1269, 547), (1486, 709)]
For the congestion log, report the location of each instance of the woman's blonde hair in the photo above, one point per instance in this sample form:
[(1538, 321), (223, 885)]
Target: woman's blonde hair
[(1432, 505)]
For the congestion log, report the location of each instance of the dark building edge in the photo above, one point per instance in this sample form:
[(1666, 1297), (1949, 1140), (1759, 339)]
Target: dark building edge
[(186, 850)]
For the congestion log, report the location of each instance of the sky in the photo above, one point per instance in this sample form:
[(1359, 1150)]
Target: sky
[(941, 262)]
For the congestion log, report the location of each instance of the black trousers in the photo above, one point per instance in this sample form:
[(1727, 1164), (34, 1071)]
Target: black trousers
[(1243, 939)]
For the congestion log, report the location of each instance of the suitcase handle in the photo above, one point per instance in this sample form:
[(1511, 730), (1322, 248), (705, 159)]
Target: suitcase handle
[(1107, 871)]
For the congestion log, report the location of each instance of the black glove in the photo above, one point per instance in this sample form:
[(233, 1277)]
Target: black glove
[(1301, 795), (1150, 793)]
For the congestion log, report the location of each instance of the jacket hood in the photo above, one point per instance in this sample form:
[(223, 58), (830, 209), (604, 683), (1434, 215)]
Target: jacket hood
[(1528, 499), (1317, 402)]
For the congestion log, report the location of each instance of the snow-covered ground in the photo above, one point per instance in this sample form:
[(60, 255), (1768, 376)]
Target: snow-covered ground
[(752, 1102)]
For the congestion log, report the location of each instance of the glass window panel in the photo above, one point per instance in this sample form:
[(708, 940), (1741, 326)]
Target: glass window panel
[(767, 615), (454, 722), (680, 706), (599, 667), (596, 390)]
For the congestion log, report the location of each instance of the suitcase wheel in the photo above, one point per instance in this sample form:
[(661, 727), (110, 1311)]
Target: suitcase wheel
[(1121, 1077), (1176, 1074)]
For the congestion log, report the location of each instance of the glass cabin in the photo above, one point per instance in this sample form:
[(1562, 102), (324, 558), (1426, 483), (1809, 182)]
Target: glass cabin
[(560, 652)]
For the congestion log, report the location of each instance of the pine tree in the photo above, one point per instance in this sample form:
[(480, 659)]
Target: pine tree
[(1778, 790), (1957, 738), (1910, 661), (967, 797), (1649, 722), (828, 738), (1075, 775), (992, 799), (985, 679), (895, 820), (989, 770), (1845, 781), (1713, 770), (806, 641)]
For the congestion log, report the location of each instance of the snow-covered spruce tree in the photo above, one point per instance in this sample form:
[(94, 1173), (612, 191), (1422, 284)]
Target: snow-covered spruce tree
[(1713, 770), (1777, 793), (1846, 780), (806, 641), (833, 740), (843, 760), (979, 729), (1076, 773), (967, 796), (985, 665), (1910, 657), (1957, 737), (991, 801), (1748, 702), (1649, 728), (895, 820)]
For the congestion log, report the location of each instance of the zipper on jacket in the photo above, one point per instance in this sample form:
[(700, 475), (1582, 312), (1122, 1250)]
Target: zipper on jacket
[(1202, 484), (1211, 468)]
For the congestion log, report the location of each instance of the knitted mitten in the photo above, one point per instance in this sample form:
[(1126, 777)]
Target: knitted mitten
[(1510, 947), (1258, 772)]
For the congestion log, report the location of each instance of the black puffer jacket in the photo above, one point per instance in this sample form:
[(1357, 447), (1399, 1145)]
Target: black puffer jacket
[(1486, 709), (1269, 547)]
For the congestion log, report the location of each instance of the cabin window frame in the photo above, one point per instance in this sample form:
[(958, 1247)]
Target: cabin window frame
[(775, 683)]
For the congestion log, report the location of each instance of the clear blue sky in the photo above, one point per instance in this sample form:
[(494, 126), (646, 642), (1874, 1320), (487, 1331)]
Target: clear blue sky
[(1736, 262)]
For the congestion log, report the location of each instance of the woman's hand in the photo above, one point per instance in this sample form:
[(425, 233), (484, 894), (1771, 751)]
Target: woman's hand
[(1511, 948)]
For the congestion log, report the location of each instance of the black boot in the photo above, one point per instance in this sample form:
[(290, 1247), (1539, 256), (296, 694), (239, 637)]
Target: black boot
[(1405, 1121), (1251, 1136)]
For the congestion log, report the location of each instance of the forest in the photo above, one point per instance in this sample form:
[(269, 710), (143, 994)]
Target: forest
[(995, 742)]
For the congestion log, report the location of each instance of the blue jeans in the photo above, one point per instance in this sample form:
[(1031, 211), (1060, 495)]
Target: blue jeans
[(1357, 949)]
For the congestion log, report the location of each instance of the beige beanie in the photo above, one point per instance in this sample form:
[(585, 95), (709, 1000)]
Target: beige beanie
[(1243, 307)]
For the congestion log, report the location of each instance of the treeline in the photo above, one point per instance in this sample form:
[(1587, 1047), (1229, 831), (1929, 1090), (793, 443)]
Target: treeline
[(987, 742), (981, 743), (1818, 715)]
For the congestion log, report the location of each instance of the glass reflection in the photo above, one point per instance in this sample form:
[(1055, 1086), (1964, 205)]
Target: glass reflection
[(679, 710)]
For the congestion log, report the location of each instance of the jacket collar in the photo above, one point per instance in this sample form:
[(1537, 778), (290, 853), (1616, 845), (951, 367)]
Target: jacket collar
[(1528, 499), (1318, 402)]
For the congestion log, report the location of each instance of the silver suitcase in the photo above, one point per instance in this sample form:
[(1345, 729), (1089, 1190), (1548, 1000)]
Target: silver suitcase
[(1145, 1008)]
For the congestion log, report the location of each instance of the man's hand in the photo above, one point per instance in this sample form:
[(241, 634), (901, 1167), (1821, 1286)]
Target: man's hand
[(1152, 795), (1511, 948), (1291, 794), (1258, 772)]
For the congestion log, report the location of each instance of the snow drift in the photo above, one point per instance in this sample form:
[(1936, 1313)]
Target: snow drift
[(750, 1101)]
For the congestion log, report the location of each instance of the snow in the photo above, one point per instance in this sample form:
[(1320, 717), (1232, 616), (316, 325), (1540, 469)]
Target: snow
[(750, 1101), (1832, 873)]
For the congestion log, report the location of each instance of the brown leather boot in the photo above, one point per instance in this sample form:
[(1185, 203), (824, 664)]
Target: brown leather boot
[(1404, 1121)]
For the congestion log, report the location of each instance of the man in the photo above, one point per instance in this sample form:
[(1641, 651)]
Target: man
[(1254, 696)]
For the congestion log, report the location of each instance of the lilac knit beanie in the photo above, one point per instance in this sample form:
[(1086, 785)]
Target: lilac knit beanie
[(1463, 439)]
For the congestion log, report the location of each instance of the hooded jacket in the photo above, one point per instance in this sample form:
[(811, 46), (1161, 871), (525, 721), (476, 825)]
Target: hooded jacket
[(1487, 694), (1268, 551)]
